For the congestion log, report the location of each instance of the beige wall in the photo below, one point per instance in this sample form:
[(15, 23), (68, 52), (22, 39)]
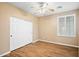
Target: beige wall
[(6, 11), (48, 29)]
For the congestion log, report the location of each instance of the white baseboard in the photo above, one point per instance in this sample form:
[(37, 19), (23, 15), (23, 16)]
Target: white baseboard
[(35, 41), (5, 53), (61, 43)]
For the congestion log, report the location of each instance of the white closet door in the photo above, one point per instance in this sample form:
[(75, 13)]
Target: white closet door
[(21, 33)]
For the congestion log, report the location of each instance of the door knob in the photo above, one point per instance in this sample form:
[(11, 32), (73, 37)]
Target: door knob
[(10, 35)]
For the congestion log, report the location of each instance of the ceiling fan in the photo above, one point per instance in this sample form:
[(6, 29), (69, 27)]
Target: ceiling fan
[(43, 7)]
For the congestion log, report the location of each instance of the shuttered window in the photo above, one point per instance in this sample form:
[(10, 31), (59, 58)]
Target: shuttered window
[(66, 26)]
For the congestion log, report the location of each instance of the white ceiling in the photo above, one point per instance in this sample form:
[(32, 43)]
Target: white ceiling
[(34, 7)]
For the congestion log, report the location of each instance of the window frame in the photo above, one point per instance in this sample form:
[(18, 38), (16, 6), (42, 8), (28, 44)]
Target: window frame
[(65, 35)]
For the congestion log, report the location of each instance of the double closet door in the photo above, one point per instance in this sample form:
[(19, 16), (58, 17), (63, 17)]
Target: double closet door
[(20, 33)]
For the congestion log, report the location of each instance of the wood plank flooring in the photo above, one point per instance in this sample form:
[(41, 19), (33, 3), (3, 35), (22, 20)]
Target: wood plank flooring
[(44, 49)]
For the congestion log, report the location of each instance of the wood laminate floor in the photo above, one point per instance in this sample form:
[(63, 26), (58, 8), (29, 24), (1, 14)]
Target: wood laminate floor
[(44, 49)]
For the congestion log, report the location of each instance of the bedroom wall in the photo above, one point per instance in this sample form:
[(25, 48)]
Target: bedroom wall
[(6, 11), (48, 29)]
